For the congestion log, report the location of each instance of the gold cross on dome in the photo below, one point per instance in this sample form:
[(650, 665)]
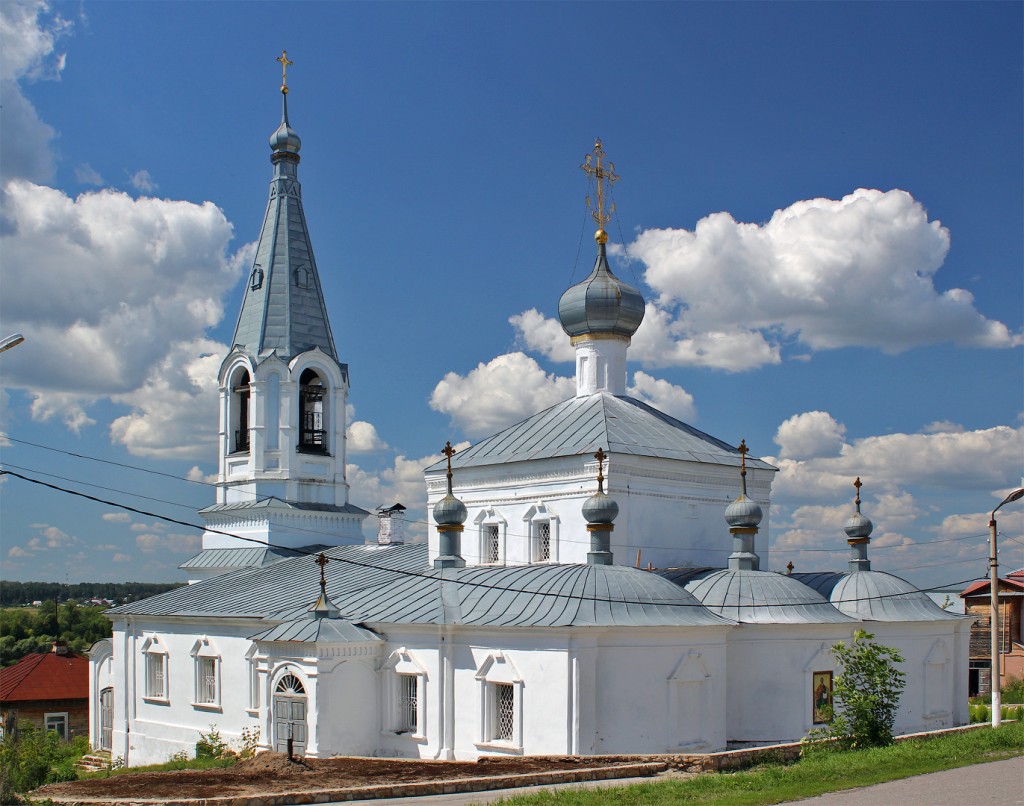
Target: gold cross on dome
[(744, 450), (285, 61), (600, 456), (858, 484), (449, 452), (594, 167)]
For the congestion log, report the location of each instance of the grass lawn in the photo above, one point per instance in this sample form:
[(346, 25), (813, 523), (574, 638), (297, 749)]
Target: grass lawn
[(823, 771)]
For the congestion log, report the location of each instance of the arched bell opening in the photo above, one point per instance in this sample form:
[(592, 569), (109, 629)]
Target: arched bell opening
[(240, 393), (312, 413)]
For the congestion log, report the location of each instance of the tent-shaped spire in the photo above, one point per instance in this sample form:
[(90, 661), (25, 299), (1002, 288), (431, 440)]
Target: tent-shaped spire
[(284, 307)]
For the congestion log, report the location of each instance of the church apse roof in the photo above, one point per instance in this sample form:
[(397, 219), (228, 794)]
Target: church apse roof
[(581, 425)]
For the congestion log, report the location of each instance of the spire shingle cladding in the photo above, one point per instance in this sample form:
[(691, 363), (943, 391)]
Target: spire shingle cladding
[(284, 308)]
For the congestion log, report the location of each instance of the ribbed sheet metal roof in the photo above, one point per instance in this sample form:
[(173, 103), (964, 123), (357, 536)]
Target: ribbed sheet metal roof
[(285, 311), (277, 503), (581, 425), (244, 557), (877, 596), (318, 630), (373, 584), (762, 597)]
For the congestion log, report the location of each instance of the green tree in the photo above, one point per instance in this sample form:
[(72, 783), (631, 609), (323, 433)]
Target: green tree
[(867, 691)]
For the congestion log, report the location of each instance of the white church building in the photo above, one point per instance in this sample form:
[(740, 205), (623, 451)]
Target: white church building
[(523, 626)]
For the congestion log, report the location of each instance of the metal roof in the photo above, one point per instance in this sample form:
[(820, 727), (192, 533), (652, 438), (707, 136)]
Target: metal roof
[(243, 557), (394, 584), (318, 630), (762, 597), (877, 596), (581, 425), (284, 308), (278, 503)]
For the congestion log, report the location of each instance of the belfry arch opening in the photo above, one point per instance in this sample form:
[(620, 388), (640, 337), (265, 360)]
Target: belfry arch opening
[(240, 411), (312, 413)]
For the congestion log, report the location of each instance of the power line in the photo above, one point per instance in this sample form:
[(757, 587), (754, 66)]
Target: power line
[(398, 571)]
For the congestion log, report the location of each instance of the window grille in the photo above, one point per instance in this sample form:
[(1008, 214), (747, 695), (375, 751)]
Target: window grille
[(504, 711), (155, 675), (542, 550), (207, 680), (492, 549), (408, 702)]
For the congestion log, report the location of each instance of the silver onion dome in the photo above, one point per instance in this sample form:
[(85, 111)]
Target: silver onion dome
[(743, 513), (601, 304)]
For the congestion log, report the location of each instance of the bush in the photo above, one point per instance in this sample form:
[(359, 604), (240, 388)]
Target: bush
[(1013, 691), (211, 745), (31, 758), (866, 692)]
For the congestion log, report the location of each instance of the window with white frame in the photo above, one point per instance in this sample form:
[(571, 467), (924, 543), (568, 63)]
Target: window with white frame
[(404, 694), (541, 541), (490, 549), (58, 723), (253, 668), (501, 717), (155, 655), (206, 667)]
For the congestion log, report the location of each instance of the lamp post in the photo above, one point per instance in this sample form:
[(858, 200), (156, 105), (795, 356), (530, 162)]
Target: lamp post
[(993, 565)]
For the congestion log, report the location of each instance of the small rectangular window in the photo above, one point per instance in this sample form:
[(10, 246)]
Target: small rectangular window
[(156, 675), (58, 723), (206, 688), (492, 545), (504, 712), (408, 703), (542, 542)]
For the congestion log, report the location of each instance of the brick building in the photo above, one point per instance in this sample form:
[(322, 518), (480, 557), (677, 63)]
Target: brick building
[(978, 603), (49, 691)]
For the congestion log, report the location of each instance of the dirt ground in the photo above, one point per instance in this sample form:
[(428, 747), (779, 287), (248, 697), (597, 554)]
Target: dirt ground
[(273, 773)]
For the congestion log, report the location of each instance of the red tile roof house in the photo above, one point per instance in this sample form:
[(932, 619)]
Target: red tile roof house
[(50, 691), (978, 603)]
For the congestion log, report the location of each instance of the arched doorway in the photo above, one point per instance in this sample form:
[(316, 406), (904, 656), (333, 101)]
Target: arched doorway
[(290, 715)]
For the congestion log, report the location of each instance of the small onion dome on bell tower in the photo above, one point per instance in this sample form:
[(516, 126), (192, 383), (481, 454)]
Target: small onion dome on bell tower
[(285, 140), (449, 515), (599, 511)]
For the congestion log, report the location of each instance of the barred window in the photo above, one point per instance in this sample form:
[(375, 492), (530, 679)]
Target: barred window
[(156, 675), (206, 681), (504, 712), (542, 541), (492, 545), (408, 703)]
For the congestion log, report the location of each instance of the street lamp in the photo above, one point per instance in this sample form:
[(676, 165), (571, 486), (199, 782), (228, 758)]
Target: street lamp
[(993, 565), (11, 341)]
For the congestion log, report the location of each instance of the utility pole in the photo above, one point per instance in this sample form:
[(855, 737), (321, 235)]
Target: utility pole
[(993, 571)]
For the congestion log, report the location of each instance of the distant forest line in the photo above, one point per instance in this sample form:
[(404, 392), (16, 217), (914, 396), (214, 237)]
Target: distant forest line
[(14, 594)]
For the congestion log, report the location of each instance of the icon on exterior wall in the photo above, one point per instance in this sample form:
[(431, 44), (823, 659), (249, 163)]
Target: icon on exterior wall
[(821, 703)]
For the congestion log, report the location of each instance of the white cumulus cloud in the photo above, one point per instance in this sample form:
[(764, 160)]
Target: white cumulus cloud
[(810, 435), (142, 181), (664, 396), (497, 394), (857, 271)]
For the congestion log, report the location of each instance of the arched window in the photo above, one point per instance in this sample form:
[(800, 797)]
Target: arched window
[(290, 685), (312, 413), (240, 411)]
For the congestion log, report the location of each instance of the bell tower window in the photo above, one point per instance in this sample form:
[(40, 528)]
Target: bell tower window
[(312, 413), (240, 399)]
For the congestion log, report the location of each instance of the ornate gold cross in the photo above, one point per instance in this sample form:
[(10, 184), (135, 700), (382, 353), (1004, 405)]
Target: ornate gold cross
[(449, 452), (858, 485), (322, 562), (285, 61), (600, 456), (744, 450), (594, 167)]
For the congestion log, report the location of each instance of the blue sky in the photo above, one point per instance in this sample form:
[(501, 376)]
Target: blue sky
[(822, 204)]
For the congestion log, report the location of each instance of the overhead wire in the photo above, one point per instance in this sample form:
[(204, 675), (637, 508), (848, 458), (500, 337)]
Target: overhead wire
[(397, 571)]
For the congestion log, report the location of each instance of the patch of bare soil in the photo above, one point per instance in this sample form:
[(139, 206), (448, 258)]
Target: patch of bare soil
[(270, 773)]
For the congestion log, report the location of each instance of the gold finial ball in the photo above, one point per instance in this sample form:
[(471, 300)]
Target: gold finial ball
[(284, 89), (601, 236)]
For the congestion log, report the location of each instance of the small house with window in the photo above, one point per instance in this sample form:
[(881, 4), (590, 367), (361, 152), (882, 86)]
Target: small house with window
[(49, 691)]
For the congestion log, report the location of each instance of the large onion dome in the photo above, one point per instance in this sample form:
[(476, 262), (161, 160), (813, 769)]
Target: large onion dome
[(602, 303), (743, 513)]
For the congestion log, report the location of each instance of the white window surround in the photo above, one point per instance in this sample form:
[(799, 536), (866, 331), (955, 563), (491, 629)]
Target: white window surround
[(534, 519), (206, 669), (58, 722), (493, 531), (396, 670), (497, 675), (156, 666)]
